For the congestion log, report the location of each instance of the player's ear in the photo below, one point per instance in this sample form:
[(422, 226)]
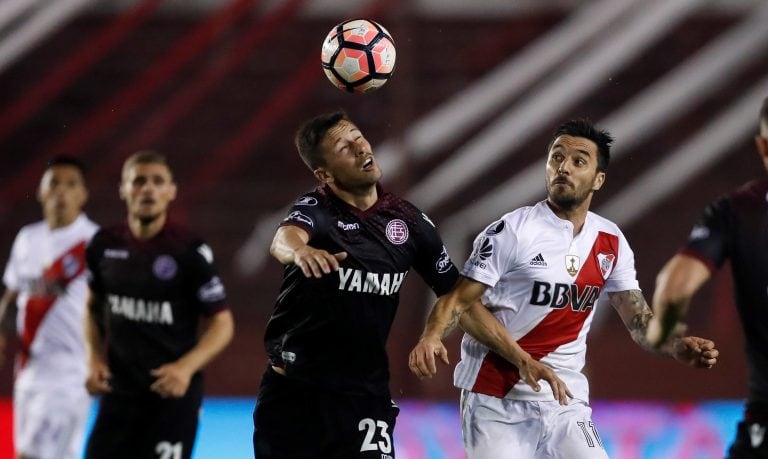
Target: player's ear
[(173, 190), (598, 182), (762, 147), (323, 175), (121, 190)]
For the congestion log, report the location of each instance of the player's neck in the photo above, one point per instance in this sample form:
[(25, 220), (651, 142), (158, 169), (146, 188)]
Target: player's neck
[(577, 215), (363, 198), (143, 230), (55, 221)]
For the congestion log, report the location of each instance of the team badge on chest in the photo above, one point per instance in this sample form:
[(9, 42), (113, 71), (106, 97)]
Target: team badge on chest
[(164, 267), (605, 261), (397, 231), (572, 264)]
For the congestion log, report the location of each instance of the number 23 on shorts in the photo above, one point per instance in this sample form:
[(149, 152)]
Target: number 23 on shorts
[(377, 437)]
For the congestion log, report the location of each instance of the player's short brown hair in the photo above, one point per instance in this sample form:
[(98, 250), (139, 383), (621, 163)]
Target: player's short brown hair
[(146, 157), (311, 134)]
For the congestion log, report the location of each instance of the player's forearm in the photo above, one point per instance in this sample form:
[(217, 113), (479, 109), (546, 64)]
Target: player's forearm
[(445, 316), (6, 302), (636, 315), (285, 244), (94, 343), (479, 323), (214, 339)]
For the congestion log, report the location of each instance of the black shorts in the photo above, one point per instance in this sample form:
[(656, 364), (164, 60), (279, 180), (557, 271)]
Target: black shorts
[(752, 433), (146, 427), (293, 420)]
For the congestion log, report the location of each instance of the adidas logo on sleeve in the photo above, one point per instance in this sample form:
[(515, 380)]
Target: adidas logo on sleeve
[(538, 260)]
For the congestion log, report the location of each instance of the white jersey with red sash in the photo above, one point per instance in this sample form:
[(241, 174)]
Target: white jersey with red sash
[(544, 285), (47, 269)]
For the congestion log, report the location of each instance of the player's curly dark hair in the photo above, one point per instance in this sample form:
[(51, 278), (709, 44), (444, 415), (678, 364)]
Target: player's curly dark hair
[(584, 128), (311, 133), (764, 114)]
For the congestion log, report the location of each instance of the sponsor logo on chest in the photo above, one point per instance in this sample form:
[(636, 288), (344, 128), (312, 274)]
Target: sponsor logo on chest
[(141, 310), (348, 226), (558, 295), (355, 280)]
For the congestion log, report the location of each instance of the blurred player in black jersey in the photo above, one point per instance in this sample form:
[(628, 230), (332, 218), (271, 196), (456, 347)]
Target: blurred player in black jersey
[(347, 248), (735, 228), (151, 283)]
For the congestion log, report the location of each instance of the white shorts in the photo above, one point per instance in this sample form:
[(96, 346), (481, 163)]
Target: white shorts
[(496, 428), (49, 424)]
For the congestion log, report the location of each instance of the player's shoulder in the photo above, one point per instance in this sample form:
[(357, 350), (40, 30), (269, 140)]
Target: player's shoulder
[(398, 207), (118, 231), (393, 201), (515, 220), (181, 237), (751, 194), (33, 230), (317, 197), (603, 224), (88, 225)]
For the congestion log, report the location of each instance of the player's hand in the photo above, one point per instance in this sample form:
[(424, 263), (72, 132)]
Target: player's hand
[(172, 380), (421, 360), (316, 262), (532, 371), (696, 352), (97, 382)]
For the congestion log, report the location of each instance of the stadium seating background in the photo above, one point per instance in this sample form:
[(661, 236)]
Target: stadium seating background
[(232, 178)]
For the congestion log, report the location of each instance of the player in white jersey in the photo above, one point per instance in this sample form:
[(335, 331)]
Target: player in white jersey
[(45, 278), (540, 270)]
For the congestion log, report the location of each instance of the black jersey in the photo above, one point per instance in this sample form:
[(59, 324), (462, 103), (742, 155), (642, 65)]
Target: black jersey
[(150, 296), (332, 331), (735, 227)]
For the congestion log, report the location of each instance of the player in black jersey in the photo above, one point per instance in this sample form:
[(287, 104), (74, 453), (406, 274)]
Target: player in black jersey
[(347, 248), (151, 283), (733, 227)]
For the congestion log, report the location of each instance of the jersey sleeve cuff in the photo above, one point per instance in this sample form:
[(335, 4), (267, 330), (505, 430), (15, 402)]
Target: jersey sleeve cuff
[(693, 253)]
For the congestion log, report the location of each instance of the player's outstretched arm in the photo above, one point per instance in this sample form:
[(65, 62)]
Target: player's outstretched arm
[(443, 318), (479, 323), (676, 284), (289, 246), (173, 378), (636, 315)]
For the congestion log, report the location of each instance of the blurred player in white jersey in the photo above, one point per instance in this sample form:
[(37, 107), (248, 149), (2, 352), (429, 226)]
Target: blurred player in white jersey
[(540, 271), (45, 279)]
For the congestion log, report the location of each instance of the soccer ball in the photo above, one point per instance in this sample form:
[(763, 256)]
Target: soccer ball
[(358, 55)]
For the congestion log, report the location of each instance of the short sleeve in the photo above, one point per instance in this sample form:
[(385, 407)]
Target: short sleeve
[(92, 261), (205, 284), (432, 261), (623, 277), (708, 239), (11, 277), (491, 252), (306, 213)]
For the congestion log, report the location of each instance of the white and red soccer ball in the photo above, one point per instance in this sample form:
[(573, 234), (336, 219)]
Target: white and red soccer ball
[(358, 55)]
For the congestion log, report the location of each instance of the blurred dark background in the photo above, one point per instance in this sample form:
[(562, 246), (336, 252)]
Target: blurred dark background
[(461, 130)]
